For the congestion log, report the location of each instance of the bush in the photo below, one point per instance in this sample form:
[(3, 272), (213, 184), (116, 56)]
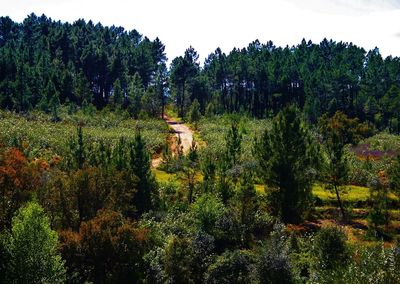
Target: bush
[(273, 263), (376, 265), (32, 247), (207, 210), (230, 267), (330, 248)]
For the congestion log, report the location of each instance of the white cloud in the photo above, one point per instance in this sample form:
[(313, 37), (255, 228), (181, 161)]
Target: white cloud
[(352, 7), (209, 24)]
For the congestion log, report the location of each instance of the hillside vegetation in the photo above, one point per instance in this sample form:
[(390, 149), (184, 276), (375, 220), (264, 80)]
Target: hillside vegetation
[(264, 165)]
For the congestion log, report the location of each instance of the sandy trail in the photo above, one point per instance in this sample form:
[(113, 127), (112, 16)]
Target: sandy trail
[(184, 132), (181, 130)]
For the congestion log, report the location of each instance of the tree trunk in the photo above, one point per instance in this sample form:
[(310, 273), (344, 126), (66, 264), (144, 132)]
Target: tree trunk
[(182, 99), (162, 106), (340, 202)]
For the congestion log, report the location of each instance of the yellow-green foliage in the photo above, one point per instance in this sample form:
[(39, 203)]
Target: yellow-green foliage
[(260, 188), (172, 114), (351, 193), (162, 176)]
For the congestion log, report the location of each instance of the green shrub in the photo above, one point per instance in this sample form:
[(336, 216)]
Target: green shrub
[(329, 248)]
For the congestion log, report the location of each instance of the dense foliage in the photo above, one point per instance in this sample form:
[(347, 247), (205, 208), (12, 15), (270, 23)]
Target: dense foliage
[(32, 249), (288, 159), (83, 198), (44, 63), (319, 78)]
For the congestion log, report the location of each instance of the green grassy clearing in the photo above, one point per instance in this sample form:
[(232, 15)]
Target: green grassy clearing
[(350, 193)]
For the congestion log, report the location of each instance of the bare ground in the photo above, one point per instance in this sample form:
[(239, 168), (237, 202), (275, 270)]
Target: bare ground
[(181, 130)]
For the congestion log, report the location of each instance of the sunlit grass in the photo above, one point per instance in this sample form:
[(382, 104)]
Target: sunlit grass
[(260, 188), (349, 193), (163, 176)]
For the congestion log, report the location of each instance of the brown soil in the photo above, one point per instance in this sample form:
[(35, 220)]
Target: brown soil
[(181, 130)]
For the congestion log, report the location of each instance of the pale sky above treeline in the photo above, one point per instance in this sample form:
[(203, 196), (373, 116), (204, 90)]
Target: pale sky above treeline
[(209, 24)]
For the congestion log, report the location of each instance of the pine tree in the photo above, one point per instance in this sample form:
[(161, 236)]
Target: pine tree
[(166, 153), (190, 169), (82, 89), (118, 96), (247, 204), (22, 92), (233, 144), (135, 94), (161, 86), (210, 110), (78, 151), (55, 105), (33, 249), (337, 170), (151, 102), (287, 159), (194, 113), (140, 166), (379, 199), (208, 168)]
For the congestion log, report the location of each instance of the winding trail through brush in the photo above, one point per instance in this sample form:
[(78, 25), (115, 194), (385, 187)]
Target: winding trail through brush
[(181, 130)]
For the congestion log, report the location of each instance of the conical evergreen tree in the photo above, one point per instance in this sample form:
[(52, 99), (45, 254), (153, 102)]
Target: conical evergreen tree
[(140, 166), (135, 94), (287, 158), (118, 94)]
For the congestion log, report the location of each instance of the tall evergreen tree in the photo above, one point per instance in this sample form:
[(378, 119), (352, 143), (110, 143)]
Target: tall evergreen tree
[(161, 86), (287, 159), (118, 95), (233, 144), (140, 166), (194, 113), (337, 170), (55, 105), (183, 70), (247, 205), (135, 94)]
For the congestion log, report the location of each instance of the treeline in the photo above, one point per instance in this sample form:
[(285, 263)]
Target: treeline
[(319, 78), (44, 63)]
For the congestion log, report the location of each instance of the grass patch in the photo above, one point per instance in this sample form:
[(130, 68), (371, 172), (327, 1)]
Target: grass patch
[(162, 176), (260, 188), (351, 194)]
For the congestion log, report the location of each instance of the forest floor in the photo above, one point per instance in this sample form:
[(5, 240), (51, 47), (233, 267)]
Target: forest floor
[(180, 130)]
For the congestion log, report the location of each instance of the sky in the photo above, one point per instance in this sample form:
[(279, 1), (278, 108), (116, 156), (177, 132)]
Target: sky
[(209, 24)]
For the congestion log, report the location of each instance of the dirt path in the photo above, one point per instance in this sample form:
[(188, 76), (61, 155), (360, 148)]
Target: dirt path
[(181, 130)]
